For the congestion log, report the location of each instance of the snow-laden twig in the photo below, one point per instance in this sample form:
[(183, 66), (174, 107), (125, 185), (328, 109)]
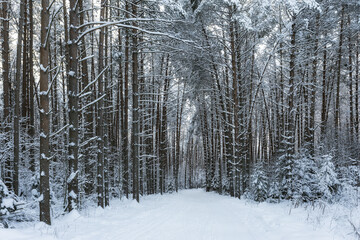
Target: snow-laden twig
[(52, 81), (72, 176), (129, 20), (59, 131), (86, 58), (95, 80), (53, 15), (93, 102), (121, 24), (83, 144), (262, 75)]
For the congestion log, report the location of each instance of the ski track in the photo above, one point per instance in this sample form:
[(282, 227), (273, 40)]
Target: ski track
[(187, 215)]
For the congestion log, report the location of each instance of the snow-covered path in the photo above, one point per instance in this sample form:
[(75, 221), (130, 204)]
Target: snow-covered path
[(187, 215)]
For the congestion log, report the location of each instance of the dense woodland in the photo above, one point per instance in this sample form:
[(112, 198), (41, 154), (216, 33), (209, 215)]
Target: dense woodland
[(104, 99)]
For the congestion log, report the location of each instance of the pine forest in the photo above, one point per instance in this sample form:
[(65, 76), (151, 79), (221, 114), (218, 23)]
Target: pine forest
[(108, 104)]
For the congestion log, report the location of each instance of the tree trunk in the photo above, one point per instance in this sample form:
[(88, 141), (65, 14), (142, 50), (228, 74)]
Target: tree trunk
[(25, 75), (338, 75), (16, 161), (351, 91), (135, 111), (73, 107), (125, 131), (100, 117), (235, 104), (44, 117), (5, 41), (88, 121), (312, 92), (357, 65), (324, 94), (163, 139), (31, 90)]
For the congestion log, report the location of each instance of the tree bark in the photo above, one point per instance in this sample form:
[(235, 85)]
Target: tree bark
[(73, 106), (31, 88), (351, 91), (100, 117), (16, 161), (235, 105), (135, 109), (357, 65), (5, 41), (44, 117), (338, 74), (125, 131), (324, 94), (88, 121)]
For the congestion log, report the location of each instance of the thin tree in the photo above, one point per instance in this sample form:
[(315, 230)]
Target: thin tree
[(100, 117), (135, 141), (5, 53), (17, 100)]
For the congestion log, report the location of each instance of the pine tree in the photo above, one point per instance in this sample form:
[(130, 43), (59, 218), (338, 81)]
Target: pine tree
[(259, 183), (328, 181)]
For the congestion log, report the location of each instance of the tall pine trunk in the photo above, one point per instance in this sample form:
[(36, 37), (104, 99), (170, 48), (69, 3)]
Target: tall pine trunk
[(73, 107), (338, 74), (135, 141), (5, 53), (100, 117), (16, 161), (44, 116), (125, 125)]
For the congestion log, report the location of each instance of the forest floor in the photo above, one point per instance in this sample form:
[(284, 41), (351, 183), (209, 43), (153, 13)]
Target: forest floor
[(187, 215)]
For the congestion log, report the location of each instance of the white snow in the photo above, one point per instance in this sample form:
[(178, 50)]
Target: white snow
[(7, 203), (3, 188), (40, 198), (43, 135), (72, 176), (34, 192), (43, 156), (42, 68), (72, 195), (189, 214)]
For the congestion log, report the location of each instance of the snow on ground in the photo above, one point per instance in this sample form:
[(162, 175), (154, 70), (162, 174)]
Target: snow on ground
[(187, 215)]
